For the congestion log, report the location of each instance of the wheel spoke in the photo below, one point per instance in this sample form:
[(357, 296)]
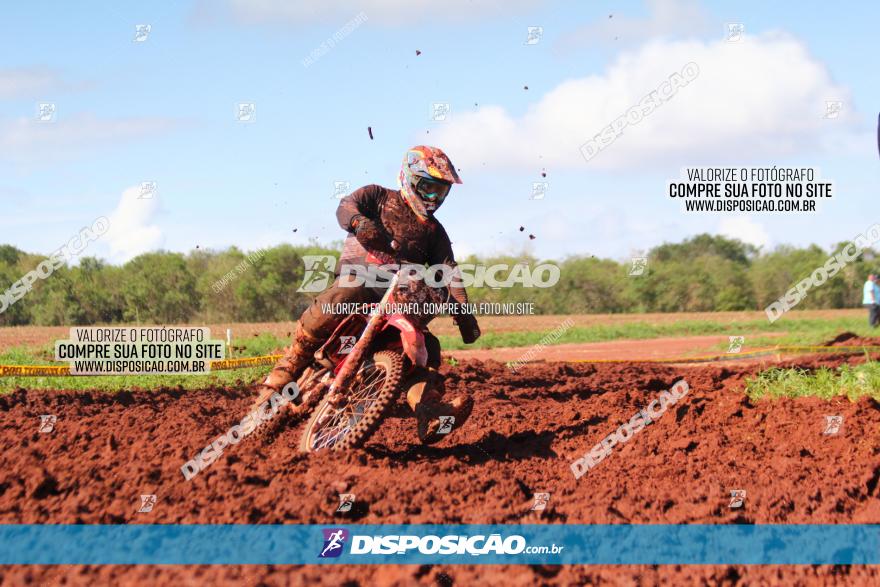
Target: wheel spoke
[(336, 423)]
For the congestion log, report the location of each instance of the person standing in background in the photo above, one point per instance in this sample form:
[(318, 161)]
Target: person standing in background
[(871, 299)]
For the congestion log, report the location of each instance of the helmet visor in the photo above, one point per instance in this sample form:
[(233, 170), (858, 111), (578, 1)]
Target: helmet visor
[(432, 192)]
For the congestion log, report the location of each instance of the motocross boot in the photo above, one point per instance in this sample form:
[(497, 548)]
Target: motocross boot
[(425, 397), (293, 362)]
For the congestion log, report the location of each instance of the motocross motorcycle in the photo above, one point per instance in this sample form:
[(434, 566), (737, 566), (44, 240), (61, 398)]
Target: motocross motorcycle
[(349, 390)]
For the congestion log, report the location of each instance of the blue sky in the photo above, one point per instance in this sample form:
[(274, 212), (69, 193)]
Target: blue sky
[(163, 110)]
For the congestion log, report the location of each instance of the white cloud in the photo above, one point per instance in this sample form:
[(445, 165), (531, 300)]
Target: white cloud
[(28, 82), (745, 229), (132, 231), (69, 135), (667, 18), (761, 99), (385, 12)]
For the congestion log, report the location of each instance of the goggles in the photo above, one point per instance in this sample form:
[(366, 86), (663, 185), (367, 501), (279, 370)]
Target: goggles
[(432, 192)]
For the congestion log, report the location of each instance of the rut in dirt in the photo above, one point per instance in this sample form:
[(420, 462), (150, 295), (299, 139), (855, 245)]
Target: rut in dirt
[(108, 450)]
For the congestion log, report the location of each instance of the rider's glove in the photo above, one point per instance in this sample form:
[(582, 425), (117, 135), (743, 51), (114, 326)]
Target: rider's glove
[(371, 234), (468, 327)]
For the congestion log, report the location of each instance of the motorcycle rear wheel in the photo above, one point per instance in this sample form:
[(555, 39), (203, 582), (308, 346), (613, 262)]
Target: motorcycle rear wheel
[(304, 386)]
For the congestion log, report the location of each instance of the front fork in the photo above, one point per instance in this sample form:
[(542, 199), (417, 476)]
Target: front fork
[(354, 358)]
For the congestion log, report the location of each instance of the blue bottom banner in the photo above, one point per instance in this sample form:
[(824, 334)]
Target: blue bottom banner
[(416, 544)]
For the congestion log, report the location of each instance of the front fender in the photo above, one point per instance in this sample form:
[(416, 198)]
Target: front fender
[(412, 338)]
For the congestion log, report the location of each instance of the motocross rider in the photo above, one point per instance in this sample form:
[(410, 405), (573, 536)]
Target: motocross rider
[(374, 216)]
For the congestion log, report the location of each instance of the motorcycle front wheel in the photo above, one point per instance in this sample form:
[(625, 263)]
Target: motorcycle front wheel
[(365, 404)]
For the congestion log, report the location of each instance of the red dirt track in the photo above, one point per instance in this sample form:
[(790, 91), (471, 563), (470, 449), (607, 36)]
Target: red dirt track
[(525, 431)]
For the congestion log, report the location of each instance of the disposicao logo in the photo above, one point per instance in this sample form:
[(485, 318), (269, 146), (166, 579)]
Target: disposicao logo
[(334, 541)]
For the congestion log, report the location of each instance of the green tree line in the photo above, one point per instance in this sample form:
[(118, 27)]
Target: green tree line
[(704, 273)]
